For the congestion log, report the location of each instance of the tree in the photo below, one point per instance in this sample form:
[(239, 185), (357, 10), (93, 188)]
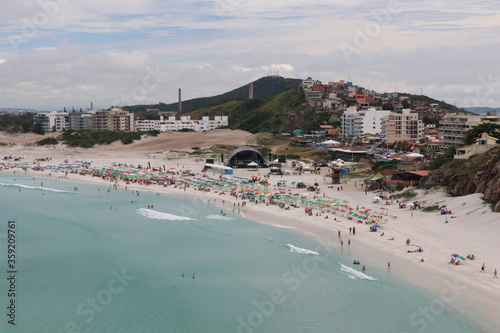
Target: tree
[(38, 129), (443, 159), (387, 106), (429, 120), (475, 132)]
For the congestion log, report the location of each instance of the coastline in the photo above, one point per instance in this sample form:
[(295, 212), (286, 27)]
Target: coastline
[(434, 275)]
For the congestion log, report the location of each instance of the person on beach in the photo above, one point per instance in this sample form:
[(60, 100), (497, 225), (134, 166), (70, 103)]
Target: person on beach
[(482, 268), (363, 268), (389, 265), (350, 230), (353, 230), (495, 273), (192, 276)]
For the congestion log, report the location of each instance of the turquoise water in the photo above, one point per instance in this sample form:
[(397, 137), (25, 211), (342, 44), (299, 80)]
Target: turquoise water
[(94, 260)]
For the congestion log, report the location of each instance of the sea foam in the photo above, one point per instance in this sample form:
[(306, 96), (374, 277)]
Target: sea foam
[(35, 188), (354, 274), (300, 250), (219, 217), (154, 214)]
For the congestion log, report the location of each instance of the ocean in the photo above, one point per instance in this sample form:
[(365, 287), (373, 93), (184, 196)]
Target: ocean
[(92, 259)]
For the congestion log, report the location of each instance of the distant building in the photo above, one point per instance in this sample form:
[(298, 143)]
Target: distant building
[(404, 126), (453, 127), (481, 145), (52, 121), (185, 122), (356, 122), (80, 120), (115, 119)]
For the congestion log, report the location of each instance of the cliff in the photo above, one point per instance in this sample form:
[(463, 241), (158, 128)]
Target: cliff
[(478, 174)]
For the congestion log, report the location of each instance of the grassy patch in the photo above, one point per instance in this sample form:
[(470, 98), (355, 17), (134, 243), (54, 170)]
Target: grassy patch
[(489, 203), (407, 195), (430, 209), (47, 141)]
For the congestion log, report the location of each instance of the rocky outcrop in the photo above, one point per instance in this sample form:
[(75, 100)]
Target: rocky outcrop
[(478, 174)]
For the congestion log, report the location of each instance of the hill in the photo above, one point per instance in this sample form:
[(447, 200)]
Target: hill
[(478, 174), (481, 110), (429, 100), (282, 113), (264, 88)]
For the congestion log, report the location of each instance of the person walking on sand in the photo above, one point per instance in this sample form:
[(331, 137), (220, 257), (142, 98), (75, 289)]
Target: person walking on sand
[(495, 273), (482, 268), (389, 265)]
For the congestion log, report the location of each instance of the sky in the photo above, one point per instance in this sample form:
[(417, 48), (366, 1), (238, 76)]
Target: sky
[(68, 53)]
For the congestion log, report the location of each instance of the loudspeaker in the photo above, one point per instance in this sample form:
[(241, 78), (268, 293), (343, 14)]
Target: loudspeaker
[(281, 159)]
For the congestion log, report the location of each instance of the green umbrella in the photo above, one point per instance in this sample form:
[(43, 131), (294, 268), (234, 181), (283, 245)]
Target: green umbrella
[(461, 258)]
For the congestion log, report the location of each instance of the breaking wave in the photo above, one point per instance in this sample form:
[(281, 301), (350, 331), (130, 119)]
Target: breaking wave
[(354, 274), (219, 217), (154, 214), (300, 250), (35, 188)]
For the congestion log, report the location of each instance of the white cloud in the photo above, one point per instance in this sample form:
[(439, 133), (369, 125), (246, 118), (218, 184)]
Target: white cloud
[(99, 50)]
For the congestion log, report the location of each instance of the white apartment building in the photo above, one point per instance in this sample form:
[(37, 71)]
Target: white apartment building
[(185, 122), (356, 122), (52, 120)]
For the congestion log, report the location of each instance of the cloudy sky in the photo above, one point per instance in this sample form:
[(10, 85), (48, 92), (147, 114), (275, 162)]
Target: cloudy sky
[(64, 53)]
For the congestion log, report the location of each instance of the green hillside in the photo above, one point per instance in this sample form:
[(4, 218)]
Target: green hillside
[(264, 88), (282, 113)]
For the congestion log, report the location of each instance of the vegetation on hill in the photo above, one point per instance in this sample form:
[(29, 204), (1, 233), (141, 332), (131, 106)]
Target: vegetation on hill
[(282, 113), (87, 139), (264, 88)]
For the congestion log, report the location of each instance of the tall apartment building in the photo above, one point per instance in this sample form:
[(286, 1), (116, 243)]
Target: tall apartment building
[(453, 127), (404, 126), (115, 119), (80, 120), (52, 120)]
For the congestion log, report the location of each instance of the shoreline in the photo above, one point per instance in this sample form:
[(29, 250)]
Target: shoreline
[(431, 276)]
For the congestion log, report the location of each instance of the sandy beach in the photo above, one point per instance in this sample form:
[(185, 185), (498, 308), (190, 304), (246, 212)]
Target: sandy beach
[(471, 228)]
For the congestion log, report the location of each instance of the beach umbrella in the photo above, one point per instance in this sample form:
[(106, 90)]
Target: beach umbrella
[(461, 258), (455, 255)]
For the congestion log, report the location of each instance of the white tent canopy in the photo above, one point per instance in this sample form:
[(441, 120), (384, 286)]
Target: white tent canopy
[(330, 142), (414, 155), (252, 164)]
